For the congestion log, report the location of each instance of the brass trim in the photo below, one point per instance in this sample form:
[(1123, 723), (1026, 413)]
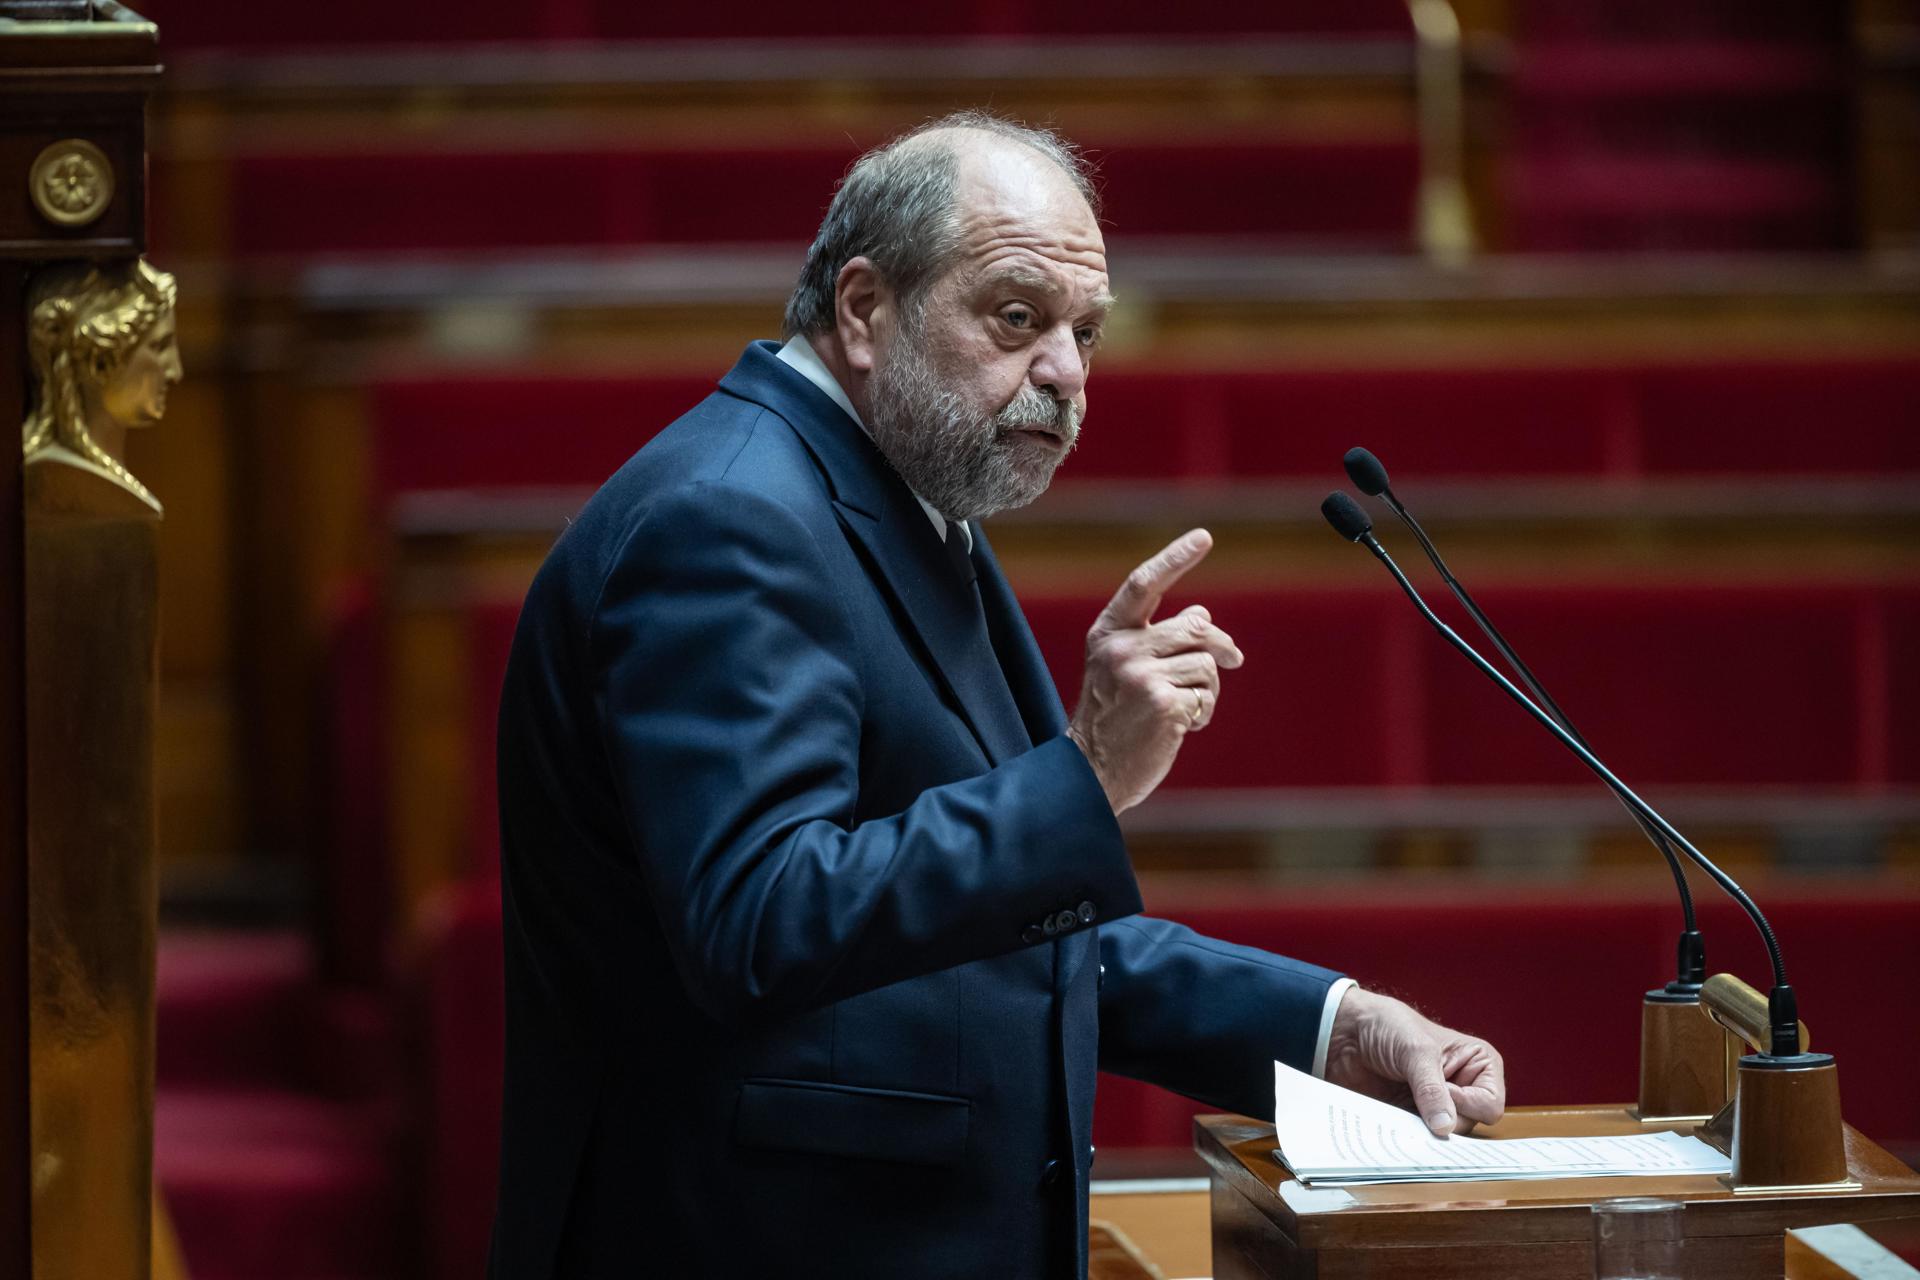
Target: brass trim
[(1807, 1188), (71, 182), (81, 30), (1439, 81), (1742, 1011)]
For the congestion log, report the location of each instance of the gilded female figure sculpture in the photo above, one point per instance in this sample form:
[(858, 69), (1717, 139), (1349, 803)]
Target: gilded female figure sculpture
[(101, 341)]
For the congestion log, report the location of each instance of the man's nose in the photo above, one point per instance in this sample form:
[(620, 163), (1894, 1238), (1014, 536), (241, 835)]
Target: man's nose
[(1057, 368)]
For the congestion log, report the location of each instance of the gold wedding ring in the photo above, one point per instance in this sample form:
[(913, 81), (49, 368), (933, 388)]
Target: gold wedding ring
[(1199, 704)]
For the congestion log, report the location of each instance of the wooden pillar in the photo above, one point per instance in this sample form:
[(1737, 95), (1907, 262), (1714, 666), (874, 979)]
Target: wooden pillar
[(14, 1202), (78, 611)]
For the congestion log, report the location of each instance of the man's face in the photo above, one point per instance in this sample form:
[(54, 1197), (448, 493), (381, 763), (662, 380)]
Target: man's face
[(978, 392), (135, 393)]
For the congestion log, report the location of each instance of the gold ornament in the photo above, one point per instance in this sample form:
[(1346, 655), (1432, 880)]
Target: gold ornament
[(71, 182), (101, 344)]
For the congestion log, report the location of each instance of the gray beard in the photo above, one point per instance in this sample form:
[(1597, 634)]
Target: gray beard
[(966, 465)]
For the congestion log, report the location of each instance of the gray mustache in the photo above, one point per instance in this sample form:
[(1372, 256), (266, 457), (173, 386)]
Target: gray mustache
[(1034, 407)]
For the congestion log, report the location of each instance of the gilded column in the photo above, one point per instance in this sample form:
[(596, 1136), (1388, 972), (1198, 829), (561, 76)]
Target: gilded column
[(86, 355), (101, 346)]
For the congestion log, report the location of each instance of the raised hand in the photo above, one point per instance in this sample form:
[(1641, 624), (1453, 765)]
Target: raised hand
[(1149, 684), (1386, 1049)]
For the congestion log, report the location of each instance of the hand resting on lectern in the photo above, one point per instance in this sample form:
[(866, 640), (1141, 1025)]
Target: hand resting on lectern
[(1386, 1049)]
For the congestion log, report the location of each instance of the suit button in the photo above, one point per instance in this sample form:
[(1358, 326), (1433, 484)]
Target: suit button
[(1049, 1173), (1031, 934), (1087, 913), (1050, 926), (1065, 921)]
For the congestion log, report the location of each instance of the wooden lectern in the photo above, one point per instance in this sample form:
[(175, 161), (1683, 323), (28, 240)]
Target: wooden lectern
[(1267, 1226)]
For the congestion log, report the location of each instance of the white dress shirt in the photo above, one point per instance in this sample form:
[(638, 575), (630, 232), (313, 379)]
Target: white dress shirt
[(799, 353)]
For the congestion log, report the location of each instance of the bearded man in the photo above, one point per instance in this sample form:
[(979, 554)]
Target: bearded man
[(818, 920)]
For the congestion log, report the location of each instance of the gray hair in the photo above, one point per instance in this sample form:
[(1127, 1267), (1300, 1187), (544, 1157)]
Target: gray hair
[(896, 207)]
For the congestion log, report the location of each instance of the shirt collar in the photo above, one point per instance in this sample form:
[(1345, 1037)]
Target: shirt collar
[(799, 353)]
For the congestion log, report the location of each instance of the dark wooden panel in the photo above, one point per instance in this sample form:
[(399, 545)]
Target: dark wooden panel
[(1248, 1246)]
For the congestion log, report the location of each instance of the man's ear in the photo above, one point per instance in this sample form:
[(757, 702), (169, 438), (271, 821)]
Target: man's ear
[(862, 311)]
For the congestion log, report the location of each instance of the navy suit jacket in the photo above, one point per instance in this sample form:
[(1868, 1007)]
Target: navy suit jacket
[(817, 924)]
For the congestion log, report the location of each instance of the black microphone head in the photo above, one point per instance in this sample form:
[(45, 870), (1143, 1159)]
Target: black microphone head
[(1346, 517), (1366, 472)]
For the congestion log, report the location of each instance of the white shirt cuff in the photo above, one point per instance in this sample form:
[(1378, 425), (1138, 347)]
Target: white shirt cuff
[(1332, 1006)]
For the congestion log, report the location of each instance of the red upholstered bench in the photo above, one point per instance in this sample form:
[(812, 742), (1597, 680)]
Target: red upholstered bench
[(1782, 419), (1651, 20), (435, 431), (1357, 194), (231, 24), (1011, 18), (458, 982), (1903, 686), (1587, 202), (1684, 683), (1680, 127), (1682, 687), (462, 431), (277, 1117)]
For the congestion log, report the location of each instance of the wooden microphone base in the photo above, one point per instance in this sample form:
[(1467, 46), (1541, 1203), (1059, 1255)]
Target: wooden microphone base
[(1681, 1060), (1787, 1132)]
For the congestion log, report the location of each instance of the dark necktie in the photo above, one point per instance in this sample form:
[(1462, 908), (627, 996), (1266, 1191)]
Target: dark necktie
[(958, 553), (976, 673)]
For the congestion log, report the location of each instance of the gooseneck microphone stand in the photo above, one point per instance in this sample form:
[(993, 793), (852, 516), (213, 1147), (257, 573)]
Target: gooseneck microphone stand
[(1783, 1129), (1369, 475)]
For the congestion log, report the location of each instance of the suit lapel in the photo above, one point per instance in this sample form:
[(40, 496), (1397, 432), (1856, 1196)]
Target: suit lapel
[(883, 518), (941, 609)]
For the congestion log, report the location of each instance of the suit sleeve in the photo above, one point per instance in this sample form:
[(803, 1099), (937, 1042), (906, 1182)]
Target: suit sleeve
[(729, 701), (1203, 1017)]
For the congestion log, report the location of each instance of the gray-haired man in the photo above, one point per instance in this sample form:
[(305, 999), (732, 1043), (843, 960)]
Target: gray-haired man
[(818, 920)]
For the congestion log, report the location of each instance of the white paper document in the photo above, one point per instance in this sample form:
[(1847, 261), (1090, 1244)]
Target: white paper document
[(1334, 1137)]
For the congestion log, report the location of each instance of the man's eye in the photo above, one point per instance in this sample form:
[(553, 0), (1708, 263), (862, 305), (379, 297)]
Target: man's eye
[(1017, 317), (1088, 337)]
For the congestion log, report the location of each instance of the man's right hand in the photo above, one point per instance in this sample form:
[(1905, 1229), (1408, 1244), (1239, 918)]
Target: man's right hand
[(1149, 684)]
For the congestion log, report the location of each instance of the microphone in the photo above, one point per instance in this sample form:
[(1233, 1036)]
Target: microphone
[(1369, 475), (1353, 524), (1346, 517)]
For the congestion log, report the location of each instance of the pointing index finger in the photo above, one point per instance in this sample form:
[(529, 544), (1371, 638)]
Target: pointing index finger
[(1133, 604)]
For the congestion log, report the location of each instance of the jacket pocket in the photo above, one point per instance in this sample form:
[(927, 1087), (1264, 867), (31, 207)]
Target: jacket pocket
[(843, 1120)]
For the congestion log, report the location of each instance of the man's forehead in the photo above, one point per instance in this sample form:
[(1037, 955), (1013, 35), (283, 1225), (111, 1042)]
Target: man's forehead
[(1045, 228), (1087, 286)]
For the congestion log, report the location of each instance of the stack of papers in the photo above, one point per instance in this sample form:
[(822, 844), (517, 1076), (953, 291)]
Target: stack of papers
[(1334, 1137)]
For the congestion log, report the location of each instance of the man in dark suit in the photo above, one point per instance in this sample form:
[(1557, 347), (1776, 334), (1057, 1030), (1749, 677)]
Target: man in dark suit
[(818, 920)]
